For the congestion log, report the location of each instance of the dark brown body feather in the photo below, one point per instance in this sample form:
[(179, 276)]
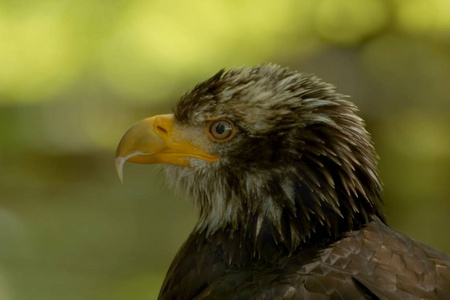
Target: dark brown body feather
[(375, 262)]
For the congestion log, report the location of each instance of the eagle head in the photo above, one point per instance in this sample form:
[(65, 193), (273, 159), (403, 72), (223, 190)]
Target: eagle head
[(265, 152)]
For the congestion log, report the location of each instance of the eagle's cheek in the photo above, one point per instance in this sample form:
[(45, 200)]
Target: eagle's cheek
[(151, 141)]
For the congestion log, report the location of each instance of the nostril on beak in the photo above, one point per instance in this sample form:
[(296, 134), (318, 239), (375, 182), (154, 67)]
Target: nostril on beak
[(161, 129)]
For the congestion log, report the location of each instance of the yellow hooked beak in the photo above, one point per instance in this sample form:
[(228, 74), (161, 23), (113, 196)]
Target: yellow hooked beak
[(151, 141)]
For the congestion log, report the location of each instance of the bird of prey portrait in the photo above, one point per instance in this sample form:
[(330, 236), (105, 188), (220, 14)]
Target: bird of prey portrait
[(285, 178)]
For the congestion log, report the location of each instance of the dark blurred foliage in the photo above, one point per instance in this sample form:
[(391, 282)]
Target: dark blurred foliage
[(74, 75)]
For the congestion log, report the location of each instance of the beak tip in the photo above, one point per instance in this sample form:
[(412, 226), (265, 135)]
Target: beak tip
[(120, 161)]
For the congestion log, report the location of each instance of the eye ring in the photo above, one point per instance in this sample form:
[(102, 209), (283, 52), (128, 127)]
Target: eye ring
[(221, 130)]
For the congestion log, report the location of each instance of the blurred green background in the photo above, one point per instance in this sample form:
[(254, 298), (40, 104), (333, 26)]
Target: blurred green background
[(74, 75)]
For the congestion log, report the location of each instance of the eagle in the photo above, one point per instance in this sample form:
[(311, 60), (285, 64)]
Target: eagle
[(285, 179)]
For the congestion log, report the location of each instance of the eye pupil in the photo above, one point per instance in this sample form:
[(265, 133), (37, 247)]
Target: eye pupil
[(220, 128)]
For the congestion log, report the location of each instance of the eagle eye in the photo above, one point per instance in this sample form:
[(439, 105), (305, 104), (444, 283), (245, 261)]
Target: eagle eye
[(221, 130)]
